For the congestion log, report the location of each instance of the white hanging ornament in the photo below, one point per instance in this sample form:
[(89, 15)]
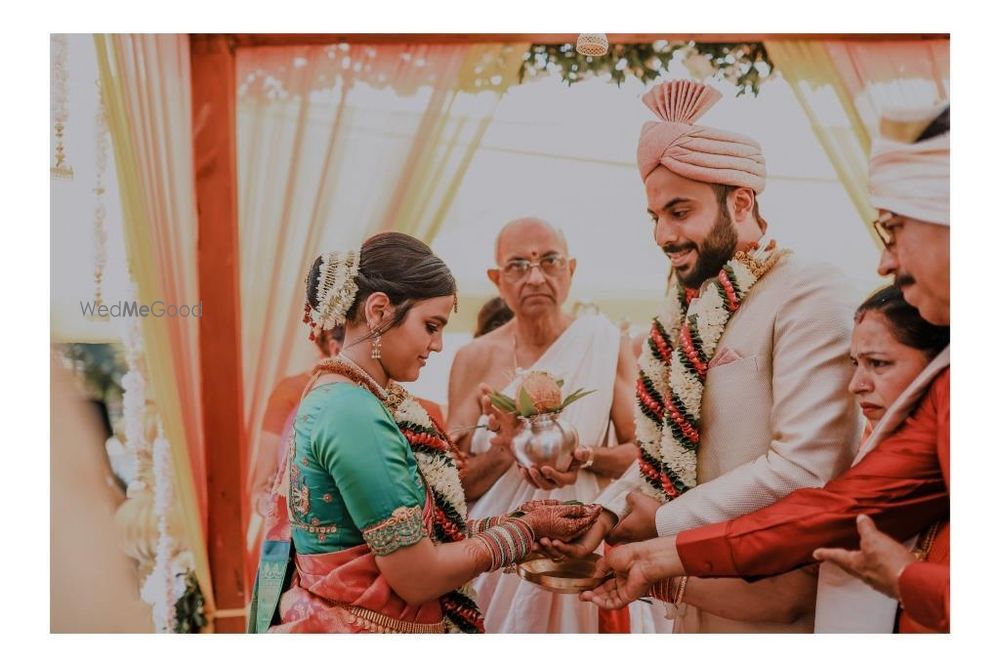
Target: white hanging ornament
[(59, 107), (100, 212), (592, 44), (158, 590)]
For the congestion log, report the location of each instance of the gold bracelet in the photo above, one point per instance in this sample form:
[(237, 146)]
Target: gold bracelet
[(679, 598), (660, 590)]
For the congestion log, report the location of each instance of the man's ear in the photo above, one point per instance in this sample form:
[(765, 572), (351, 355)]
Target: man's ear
[(494, 276), (743, 201), (572, 266)]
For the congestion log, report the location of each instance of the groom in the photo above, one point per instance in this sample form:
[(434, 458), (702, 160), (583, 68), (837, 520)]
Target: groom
[(533, 275), (742, 393)]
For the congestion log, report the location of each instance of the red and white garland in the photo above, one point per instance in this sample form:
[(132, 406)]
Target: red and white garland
[(673, 366)]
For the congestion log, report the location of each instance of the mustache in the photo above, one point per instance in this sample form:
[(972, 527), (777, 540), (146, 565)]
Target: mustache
[(903, 280), (671, 248)]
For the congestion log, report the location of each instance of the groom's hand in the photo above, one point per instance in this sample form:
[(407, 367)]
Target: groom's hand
[(582, 546), (640, 524)]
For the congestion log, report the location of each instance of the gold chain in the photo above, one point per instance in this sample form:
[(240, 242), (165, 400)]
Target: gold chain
[(927, 541)]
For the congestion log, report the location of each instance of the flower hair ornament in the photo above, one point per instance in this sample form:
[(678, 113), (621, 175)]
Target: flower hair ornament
[(335, 292)]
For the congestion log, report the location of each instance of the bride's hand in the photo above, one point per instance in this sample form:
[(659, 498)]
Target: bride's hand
[(584, 544), (561, 522)]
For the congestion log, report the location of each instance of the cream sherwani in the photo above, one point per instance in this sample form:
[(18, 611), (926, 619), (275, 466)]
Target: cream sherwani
[(776, 412)]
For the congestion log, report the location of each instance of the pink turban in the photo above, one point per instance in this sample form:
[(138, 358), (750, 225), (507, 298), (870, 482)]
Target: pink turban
[(912, 178), (700, 153)]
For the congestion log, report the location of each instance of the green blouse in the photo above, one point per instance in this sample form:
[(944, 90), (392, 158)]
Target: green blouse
[(353, 477)]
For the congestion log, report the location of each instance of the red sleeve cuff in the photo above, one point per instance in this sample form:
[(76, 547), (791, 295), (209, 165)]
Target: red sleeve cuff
[(924, 590), (705, 551)]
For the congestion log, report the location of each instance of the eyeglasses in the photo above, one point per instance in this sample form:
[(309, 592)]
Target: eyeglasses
[(518, 269), (885, 226)]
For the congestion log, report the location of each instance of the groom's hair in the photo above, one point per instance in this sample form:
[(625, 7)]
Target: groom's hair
[(722, 197)]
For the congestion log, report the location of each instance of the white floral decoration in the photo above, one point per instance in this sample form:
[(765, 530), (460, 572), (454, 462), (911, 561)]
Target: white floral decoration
[(336, 291), (159, 590), (709, 313)]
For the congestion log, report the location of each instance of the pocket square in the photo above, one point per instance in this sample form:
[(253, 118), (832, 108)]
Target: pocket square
[(724, 356)]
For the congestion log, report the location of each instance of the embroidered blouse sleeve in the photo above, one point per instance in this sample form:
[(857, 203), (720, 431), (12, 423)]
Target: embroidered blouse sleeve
[(357, 442)]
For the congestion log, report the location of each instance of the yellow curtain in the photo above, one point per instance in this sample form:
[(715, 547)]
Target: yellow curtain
[(438, 164), (146, 80), (336, 143), (844, 86)]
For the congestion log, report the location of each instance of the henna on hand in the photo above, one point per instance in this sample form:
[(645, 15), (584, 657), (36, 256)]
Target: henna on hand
[(561, 522)]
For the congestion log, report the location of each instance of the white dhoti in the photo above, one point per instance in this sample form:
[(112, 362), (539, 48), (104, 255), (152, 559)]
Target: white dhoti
[(585, 356)]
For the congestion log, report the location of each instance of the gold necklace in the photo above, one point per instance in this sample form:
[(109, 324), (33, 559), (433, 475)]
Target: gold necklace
[(345, 366)]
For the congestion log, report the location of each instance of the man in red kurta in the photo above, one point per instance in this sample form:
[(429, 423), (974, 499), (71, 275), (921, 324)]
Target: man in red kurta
[(902, 477), (903, 485)]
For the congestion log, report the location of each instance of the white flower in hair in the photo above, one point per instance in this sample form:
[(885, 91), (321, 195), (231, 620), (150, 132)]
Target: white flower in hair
[(335, 292)]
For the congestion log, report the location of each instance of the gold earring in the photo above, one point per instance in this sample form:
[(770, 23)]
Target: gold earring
[(376, 343)]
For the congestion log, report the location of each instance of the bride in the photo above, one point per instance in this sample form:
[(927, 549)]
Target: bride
[(367, 528)]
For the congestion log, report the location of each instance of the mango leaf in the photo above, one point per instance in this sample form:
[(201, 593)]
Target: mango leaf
[(503, 402), (525, 405), (575, 396)]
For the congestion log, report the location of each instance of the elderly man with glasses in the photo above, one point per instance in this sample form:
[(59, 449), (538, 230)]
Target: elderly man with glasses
[(533, 276)]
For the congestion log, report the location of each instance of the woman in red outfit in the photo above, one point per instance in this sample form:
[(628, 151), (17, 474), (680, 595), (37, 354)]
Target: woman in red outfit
[(890, 346)]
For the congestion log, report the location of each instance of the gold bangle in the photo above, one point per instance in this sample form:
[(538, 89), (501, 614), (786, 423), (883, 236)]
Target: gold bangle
[(899, 576), (661, 590), (679, 598)]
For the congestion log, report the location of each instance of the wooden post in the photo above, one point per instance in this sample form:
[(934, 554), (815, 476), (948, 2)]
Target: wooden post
[(213, 84)]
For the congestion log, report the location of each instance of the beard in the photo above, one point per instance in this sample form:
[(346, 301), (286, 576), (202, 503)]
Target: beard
[(713, 253)]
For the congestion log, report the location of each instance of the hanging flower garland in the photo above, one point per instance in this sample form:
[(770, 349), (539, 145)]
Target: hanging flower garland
[(100, 211), (134, 389), (59, 53), (744, 64), (437, 464), (158, 591), (171, 589), (673, 367)]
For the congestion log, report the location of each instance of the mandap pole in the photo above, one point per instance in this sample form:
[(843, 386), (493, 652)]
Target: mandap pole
[(213, 76)]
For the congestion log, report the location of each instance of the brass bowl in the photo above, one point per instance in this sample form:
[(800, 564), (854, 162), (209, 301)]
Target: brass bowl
[(573, 575)]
